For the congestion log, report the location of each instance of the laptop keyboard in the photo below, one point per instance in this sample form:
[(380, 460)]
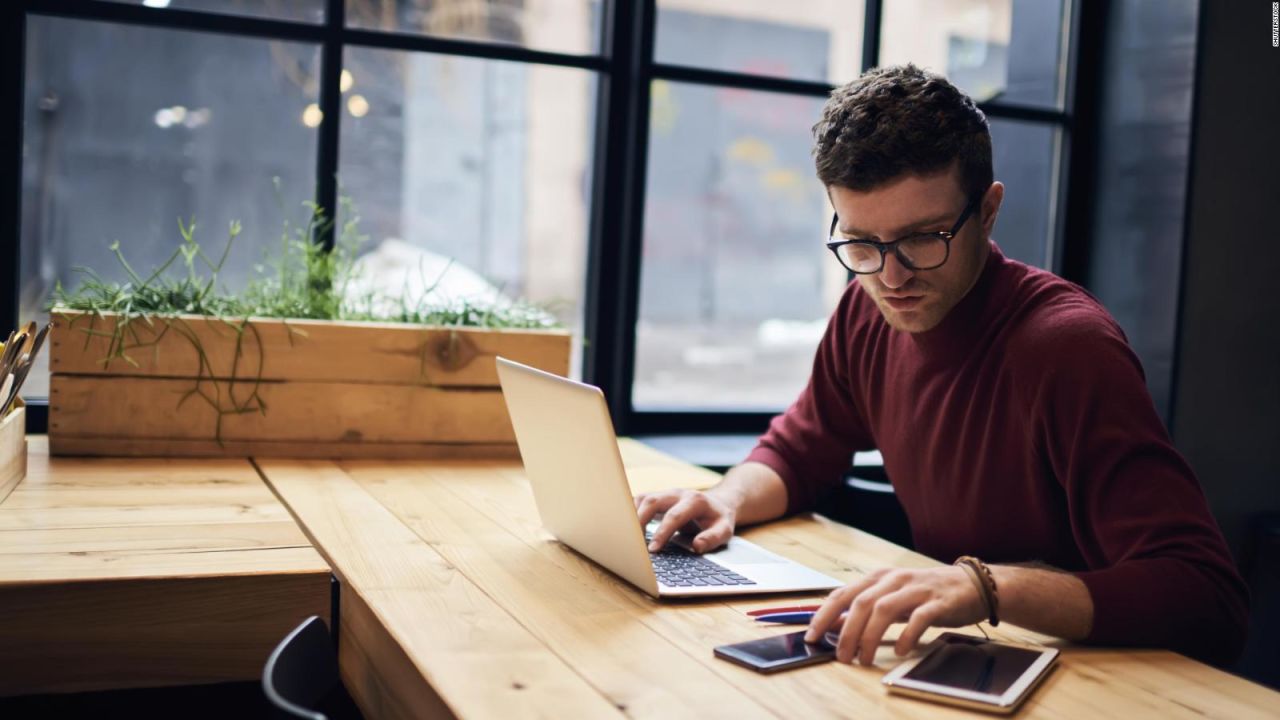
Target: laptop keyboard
[(677, 567)]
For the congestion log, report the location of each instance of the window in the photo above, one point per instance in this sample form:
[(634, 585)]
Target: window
[(569, 26), (643, 167), (471, 171), (1006, 51), (1136, 258), (817, 40), (735, 284), (464, 168), (121, 146), (1024, 156), (1008, 55)]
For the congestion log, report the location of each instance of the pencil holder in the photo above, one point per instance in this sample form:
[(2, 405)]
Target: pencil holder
[(13, 449)]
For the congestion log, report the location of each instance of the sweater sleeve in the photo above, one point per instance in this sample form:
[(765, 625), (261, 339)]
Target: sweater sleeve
[(1159, 571), (811, 444)]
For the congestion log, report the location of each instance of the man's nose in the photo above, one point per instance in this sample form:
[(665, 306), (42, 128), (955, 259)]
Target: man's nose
[(894, 274)]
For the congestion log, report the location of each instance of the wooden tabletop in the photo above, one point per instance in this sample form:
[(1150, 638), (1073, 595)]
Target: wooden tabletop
[(134, 573), (455, 601)]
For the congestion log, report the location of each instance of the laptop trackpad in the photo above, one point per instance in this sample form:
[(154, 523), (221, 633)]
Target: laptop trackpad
[(744, 553)]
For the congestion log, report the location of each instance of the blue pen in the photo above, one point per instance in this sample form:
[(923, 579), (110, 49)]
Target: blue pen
[(787, 618), (791, 618)]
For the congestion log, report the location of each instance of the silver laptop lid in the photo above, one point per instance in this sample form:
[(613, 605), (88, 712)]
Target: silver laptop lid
[(571, 457)]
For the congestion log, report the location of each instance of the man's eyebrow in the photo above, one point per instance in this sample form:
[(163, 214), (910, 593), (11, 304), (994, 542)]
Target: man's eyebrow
[(854, 232)]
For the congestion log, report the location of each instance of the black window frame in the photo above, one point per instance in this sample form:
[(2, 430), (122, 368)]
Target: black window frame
[(625, 68)]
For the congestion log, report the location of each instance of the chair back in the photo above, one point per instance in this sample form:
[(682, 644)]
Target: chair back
[(302, 671)]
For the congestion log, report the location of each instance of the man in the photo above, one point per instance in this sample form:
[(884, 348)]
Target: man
[(1012, 415)]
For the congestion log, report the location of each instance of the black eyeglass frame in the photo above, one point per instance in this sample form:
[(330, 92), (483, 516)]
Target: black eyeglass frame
[(945, 236)]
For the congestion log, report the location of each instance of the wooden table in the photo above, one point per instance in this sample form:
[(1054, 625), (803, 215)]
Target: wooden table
[(141, 573), (455, 601)]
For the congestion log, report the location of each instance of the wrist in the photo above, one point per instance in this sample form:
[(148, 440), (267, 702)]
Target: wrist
[(754, 493), (984, 583), (973, 590), (731, 500)]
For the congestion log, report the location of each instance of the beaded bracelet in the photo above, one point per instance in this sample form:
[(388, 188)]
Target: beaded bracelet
[(986, 583)]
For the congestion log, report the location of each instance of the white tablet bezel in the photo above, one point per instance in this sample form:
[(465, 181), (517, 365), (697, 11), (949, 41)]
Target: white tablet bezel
[(1009, 698)]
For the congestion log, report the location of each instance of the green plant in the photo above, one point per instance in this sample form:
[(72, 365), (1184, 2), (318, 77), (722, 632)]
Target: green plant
[(139, 301), (305, 281)]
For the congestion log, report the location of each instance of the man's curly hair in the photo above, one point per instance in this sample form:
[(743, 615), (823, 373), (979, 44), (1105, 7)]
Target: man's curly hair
[(898, 120)]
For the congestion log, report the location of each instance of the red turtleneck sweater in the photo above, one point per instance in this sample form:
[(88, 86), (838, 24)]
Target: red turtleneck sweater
[(1020, 429)]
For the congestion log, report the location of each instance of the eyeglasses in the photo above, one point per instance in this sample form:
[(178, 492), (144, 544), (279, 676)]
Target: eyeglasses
[(917, 251)]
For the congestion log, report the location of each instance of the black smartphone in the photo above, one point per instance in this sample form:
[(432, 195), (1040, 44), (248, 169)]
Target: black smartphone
[(780, 652)]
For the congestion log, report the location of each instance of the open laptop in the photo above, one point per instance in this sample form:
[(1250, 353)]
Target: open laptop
[(580, 486)]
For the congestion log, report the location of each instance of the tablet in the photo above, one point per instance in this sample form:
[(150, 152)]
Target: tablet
[(973, 672)]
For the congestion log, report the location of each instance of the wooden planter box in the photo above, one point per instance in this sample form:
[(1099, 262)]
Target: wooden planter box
[(202, 386), (13, 449)]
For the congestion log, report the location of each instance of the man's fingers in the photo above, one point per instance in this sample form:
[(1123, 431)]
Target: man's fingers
[(713, 537), (837, 600), (653, 504), (859, 613), (889, 609), (676, 516), (836, 603), (920, 620), (847, 643)]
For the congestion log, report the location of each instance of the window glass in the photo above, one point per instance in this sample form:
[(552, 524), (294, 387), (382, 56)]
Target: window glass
[(1006, 51), (736, 283), (1023, 158), (569, 26), (817, 40), (478, 166), (127, 129), (1136, 257)]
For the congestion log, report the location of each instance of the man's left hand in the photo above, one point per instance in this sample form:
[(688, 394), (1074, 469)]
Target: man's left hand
[(944, 596)]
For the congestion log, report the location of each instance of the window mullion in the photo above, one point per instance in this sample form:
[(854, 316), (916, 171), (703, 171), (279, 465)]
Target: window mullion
[(617, 210), (331, 116)]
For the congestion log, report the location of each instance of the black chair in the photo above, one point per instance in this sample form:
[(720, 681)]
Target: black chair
[(301, 676), (1261, 567), (866, 500)]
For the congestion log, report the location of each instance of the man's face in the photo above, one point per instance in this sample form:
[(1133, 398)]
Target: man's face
[(917, 300)]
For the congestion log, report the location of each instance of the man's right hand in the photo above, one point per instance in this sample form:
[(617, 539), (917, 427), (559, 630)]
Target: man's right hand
[(713, 516)]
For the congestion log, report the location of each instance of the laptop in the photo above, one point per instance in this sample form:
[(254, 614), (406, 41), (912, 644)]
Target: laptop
[(571, 457)]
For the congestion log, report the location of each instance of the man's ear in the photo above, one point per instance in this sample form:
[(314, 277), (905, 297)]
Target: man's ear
[(991, 207)]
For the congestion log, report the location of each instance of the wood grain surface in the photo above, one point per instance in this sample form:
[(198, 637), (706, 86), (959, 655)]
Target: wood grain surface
[(138, 573), (459, 587), (301, 350), (439, 626), (345, 413), (207, 387)]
